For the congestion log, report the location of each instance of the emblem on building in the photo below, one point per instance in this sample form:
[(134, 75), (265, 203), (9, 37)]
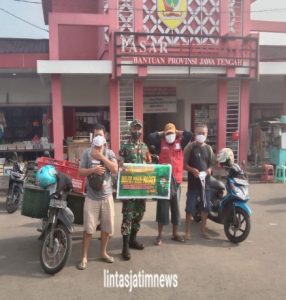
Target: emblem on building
[(172, 12)]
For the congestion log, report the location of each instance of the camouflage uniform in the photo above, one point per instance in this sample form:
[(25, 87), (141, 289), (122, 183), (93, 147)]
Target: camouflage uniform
[(133, 209)]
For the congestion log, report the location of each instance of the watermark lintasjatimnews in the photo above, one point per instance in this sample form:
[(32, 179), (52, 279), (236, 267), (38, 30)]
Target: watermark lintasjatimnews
[(139, 280)]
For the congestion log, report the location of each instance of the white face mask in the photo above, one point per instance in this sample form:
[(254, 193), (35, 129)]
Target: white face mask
[(170, 138), (98, 141), (200, 138)]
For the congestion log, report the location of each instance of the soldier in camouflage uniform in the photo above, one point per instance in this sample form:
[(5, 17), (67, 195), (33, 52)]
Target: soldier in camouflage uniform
[(134, 151)]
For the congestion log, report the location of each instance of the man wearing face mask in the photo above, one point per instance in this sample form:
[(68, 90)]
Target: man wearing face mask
[(98, 163), (134, 151), (198, 157), (169, 144)]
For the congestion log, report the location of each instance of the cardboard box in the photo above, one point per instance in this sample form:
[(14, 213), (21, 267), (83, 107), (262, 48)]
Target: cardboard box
[(75, 151)]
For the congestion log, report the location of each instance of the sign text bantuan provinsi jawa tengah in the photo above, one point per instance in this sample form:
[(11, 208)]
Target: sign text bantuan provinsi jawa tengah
[(188, 61)]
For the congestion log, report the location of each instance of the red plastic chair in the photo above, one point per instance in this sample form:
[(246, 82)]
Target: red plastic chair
[(268, 173)]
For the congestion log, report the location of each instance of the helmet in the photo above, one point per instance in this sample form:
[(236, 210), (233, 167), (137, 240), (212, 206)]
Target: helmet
[(225, 155), (46, 176)]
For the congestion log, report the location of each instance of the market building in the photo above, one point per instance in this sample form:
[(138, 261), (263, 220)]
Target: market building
[(109, 61)]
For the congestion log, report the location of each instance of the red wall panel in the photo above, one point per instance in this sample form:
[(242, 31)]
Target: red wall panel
[(78, 42)]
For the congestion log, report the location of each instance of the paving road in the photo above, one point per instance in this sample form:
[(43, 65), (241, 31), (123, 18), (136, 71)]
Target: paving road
[(215, 269)]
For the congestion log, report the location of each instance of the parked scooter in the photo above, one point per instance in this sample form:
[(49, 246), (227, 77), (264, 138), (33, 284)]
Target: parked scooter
[(16, 182), (231, 209), (57, 228)]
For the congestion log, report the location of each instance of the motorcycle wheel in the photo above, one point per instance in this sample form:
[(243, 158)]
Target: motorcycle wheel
[(237, 227), (53, 260), (12, 202)]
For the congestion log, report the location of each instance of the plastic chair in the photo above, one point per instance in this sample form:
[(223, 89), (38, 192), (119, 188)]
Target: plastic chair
[(267, 173), (280, 174)]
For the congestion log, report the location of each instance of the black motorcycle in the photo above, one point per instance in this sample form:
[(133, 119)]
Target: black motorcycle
[(16, 182), (57, 228)]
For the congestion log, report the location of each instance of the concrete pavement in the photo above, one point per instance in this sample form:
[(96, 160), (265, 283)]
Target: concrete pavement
[(215, 269)]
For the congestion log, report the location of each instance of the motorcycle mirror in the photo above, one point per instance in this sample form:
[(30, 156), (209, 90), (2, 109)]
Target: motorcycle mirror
[(47, 154)]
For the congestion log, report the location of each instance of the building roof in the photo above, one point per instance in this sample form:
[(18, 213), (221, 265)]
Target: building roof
[(12, 45)]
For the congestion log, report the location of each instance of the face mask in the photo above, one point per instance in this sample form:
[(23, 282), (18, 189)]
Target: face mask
[(200, 138), (135, 135), (98, 141), (170, 138)]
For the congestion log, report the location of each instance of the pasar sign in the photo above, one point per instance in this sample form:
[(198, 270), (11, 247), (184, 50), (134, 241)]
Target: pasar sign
[(143, 53)]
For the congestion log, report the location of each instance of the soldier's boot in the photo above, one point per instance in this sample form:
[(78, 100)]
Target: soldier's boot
[(125, 250), (133, 243)]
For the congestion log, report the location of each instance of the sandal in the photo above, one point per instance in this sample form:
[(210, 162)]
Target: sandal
[(108, 259), (158, 241), (187, 237), (205, 236), (178, 238), (82, 265)]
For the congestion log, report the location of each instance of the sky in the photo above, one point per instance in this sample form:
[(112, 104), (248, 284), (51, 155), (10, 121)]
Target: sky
[(262, 10), (14, 28), (32, 12)]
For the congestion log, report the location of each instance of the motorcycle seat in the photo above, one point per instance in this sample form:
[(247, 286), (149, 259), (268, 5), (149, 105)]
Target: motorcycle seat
[(216, 184)]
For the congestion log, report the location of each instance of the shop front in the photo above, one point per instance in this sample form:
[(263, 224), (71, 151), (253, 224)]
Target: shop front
[(25, 117)]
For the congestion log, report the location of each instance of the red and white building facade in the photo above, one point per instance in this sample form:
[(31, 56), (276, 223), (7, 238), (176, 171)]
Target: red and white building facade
[(126, 54)]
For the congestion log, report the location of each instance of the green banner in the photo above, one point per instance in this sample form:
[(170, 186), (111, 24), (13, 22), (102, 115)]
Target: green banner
[(144, 181)]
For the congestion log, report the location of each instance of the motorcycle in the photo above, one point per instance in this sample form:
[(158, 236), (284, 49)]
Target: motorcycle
[(16, 183), (230, 209), (57, 228)]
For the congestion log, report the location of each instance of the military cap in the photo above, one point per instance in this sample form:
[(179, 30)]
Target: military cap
[(135, 123)]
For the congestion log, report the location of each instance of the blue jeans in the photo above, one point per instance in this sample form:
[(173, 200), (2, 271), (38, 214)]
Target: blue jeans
[(194, 195)]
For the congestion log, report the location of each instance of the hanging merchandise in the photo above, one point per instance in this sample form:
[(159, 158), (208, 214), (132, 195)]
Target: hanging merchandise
[(45, 123), (2, 124), (36, 123), (1, 131), (2, 119)]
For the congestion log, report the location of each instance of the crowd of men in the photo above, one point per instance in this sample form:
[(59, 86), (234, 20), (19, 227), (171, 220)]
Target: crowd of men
[(181, 149)]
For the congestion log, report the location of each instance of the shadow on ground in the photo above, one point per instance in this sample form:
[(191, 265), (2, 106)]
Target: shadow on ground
[(20, 256), (272, 201), (3, 207)]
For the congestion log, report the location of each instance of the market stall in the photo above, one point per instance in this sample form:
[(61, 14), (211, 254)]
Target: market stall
[(268, 142), (24, 130)]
